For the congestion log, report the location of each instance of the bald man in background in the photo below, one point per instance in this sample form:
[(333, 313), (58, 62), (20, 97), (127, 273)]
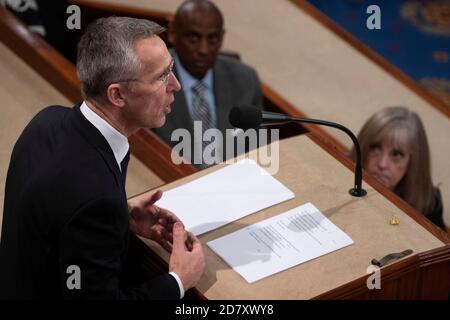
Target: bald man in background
[(212, 84)]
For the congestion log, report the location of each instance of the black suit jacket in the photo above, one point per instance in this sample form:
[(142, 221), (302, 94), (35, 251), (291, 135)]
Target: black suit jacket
[(235, 85), (65, 204)]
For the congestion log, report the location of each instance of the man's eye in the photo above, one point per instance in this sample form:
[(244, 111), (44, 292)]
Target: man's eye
[(164, 76), (213, 40), (192, 37)]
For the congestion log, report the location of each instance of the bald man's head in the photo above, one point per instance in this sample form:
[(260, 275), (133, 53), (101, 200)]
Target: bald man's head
[(201, 6), (196, 34)]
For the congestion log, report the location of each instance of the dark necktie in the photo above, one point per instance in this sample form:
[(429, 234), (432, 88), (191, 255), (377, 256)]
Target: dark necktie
[(124, 167)]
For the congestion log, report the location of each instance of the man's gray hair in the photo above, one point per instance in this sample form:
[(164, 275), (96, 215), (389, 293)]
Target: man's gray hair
[(106, 53)]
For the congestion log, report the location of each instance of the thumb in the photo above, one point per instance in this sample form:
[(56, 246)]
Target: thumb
[(178, 236)]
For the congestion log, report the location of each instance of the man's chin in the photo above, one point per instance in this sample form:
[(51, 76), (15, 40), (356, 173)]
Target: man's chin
[(155, 124), (161, 123), (198, 73)]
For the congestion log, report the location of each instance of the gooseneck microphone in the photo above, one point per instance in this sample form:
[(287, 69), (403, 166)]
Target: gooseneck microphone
[(252, 117)]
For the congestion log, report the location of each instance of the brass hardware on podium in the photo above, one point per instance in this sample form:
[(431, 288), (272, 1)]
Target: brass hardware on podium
[(394, 221)]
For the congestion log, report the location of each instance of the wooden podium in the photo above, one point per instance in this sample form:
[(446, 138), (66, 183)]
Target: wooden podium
[(316, 176), (316, 173)]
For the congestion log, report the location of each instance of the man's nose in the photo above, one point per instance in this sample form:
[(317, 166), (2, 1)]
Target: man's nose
[(174, 84), (203, 47)]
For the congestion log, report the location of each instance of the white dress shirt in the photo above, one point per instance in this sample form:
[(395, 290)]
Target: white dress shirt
[(117, 141)]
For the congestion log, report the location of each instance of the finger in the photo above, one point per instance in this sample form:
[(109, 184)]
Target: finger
[(189, 240), (166, 235), (188, 245), (154, 209), (169, 237), (191, 237), (161, 237), (169, 222), (169, 216), (178, 236), (166, 245), (196, 244), (166, 226), (153, 198)]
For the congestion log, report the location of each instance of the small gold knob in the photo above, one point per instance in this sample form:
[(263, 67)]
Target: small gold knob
[(394, 220)]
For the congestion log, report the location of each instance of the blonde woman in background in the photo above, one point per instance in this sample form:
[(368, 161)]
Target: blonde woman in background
[(394, 150)]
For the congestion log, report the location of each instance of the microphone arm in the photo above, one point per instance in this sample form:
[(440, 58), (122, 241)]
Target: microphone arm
[(271, 118)]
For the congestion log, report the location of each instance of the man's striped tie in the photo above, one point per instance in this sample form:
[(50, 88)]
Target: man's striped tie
[(201, 112)]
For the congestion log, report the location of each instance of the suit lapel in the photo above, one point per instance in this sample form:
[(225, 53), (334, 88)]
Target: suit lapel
[(96, 139)]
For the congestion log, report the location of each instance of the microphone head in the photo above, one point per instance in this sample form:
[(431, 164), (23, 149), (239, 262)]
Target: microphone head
[(245, 117)]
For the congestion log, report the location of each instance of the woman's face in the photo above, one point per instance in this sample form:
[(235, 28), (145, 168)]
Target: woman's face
[(387, 163)]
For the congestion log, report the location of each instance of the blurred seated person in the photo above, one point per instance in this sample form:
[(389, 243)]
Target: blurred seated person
[(394, 150), (212, 84)]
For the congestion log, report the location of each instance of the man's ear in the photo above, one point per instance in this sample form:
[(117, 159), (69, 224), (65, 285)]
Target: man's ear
[(114, 95)]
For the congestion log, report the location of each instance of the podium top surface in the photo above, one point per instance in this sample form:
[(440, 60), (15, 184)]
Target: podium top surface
[(314, 176)]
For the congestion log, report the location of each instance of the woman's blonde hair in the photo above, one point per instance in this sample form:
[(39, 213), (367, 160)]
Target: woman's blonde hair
[(404, 129)]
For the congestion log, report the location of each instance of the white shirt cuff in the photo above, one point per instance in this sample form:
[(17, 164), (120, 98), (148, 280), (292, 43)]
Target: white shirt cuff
[(180, 284)]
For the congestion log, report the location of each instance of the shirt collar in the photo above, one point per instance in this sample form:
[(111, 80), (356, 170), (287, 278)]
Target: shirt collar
[(117, 141), (188, 80)]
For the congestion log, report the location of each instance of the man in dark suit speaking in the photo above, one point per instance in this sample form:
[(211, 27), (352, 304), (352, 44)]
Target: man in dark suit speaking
[(212, 83), (65, 213)]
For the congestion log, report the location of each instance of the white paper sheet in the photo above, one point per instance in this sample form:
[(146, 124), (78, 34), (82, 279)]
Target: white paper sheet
[(224, 196), (280, 242)]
